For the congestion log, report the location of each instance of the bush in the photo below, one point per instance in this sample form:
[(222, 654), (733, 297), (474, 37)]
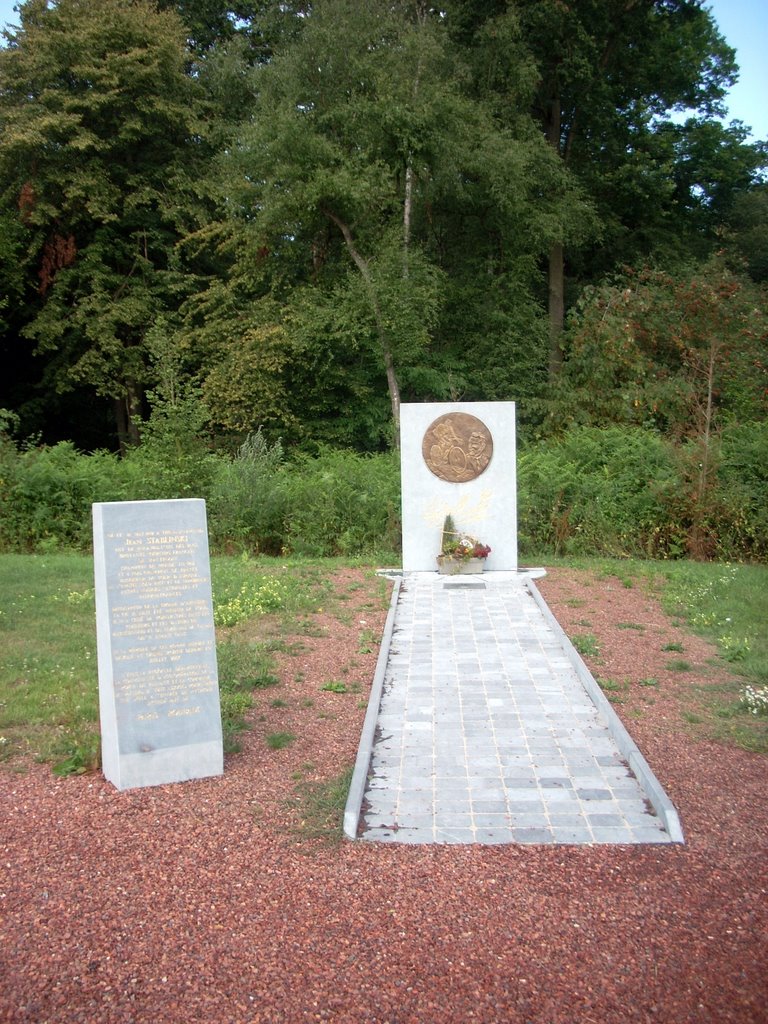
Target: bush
[(248, 496), (47, 495), (599, 492), (341, 503), (740, 518), (174, 459)]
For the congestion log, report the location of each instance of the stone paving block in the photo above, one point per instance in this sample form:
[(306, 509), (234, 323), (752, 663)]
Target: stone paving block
[(533, 835), (455, 836), (613, 835), (572, 836)]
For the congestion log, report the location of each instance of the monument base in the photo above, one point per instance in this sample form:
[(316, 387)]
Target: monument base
[(447, 566)]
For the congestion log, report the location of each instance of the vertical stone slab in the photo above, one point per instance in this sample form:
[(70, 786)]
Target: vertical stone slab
[(158, 679), (458, 458)]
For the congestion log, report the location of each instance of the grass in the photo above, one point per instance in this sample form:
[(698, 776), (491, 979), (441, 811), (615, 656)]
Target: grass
[(678, 665), (279, 740), (727, 604), (49, 706), (48, 673), (321, 807), (586, 644), (334, 686)]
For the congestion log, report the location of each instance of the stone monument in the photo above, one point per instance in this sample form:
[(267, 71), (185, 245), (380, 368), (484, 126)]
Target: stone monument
[(158, 679), (458, 459)]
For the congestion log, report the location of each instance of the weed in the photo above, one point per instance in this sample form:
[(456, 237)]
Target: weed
[(678, 665), (309, 628), (254, 598), (321, 807), (608, 684), (279, 740), (648, 681), (755, 700), (335, 686), (676, 646), (586, 644), (631, 625)]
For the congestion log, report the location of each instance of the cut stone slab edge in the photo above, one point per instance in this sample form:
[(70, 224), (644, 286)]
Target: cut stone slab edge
[(650, 785), (365, 747)]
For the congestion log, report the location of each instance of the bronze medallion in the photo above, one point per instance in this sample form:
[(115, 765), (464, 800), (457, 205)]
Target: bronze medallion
[(457, 447)]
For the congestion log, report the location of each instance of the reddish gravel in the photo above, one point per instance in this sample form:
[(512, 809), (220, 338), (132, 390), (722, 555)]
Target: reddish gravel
[(204, 902)]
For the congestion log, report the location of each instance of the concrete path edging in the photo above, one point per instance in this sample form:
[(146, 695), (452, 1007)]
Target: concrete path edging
[(365, 747), (627, 746)]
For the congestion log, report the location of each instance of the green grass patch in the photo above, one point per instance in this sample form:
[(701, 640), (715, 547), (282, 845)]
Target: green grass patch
[(279, 740), (678, 665), (586, 644), (609, 685), (335, 686), (727, 604), (321, 807)]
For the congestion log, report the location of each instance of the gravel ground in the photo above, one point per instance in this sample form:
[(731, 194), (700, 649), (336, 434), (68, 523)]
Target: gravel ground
[(211, 901)]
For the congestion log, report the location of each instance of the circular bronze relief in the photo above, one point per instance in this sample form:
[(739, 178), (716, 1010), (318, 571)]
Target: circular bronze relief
[(457, 447)]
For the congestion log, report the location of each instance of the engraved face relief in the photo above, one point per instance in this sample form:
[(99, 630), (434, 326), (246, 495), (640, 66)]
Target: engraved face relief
[(457, 447)]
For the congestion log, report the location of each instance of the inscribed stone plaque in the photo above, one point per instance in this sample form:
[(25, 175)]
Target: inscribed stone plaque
[(158, 681), (457, 447)]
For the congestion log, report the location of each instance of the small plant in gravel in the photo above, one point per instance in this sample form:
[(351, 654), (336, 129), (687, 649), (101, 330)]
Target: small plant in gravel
[(279, 740), (631, 625), (678, 665), (321, 807), (675, 646), (648, 681), (586, 644), (366, 642), (335, 686), (609, 685)]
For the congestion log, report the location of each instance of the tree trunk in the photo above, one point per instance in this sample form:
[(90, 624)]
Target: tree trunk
[(556, 270), (697, 541), (389, 364), (127, 409), (556, 308)]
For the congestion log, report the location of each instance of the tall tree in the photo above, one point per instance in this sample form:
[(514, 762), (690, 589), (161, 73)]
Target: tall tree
[(101, 135), (609, 72), (361, 142)]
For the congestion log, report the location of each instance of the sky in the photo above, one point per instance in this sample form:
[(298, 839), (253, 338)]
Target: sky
[(744, 23)]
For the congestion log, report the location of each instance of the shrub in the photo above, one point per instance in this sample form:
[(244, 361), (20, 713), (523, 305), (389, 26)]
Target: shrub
[(740, 522), (174, 459), (248, 494), (46, 502), (341, 503), (600, 492)]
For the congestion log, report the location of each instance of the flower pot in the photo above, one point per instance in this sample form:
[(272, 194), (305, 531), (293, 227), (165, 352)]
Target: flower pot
[(448, 566)]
